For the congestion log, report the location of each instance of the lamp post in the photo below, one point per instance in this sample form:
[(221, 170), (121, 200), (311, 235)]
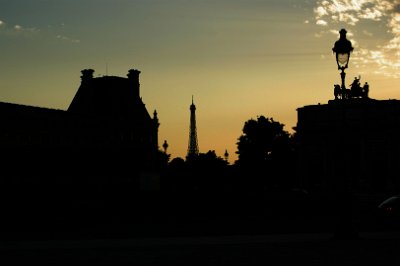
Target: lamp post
[(343, 196), (165, 146), (342, 49)]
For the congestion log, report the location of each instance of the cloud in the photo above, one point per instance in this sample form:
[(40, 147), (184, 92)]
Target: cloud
[(65, 38), (320, 11), (366, 32), (385, 56), (18, 29), (321, 22), (32, 31)]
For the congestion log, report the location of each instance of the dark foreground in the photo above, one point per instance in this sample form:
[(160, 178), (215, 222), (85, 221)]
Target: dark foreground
[(296, 249), (183, 231)]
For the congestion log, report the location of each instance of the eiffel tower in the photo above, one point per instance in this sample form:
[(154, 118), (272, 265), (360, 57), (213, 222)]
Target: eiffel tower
[(193, 147)]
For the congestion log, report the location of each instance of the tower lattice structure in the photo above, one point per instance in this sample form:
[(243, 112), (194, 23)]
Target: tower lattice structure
[(193, 146)]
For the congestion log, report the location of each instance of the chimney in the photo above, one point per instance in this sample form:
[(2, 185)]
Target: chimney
[(133, 76), (87, 74)]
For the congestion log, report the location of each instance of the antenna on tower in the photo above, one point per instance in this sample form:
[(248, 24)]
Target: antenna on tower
[(106, 69)]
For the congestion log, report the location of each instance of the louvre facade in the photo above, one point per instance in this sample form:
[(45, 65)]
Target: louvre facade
[(105, 136)]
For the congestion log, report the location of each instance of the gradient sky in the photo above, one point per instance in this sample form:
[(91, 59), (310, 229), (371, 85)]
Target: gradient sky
[(239, 58)]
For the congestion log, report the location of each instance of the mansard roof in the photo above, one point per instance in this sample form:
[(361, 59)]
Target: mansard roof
[(110, 96)]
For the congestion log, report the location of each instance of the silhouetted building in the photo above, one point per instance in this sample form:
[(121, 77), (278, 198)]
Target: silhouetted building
[(353, 143), (106, 135)]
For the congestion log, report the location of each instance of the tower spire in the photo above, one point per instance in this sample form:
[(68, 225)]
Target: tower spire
[(193, 147)]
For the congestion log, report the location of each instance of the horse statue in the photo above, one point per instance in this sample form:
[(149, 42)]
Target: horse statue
[(340, 93), (355, 88), (355, 91), (337, 91)]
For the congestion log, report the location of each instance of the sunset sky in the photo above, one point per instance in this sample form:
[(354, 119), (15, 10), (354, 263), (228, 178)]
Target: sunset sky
[(239, 58)]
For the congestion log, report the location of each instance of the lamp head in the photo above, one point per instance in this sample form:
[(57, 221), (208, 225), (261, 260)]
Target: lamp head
[(342, 49)]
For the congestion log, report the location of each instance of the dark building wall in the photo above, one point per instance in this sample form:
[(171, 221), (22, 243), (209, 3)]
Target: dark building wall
[(352, 143)]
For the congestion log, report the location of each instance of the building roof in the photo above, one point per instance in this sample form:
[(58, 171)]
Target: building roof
[(110, 96)]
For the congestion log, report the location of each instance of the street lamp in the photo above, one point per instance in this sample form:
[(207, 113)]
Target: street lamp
[(342, 49), (342, 183), (165, 146)]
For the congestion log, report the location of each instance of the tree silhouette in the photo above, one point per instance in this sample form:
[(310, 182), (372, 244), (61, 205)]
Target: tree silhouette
[(207, 170), (175, 176), (265, 149), (209, 160)]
